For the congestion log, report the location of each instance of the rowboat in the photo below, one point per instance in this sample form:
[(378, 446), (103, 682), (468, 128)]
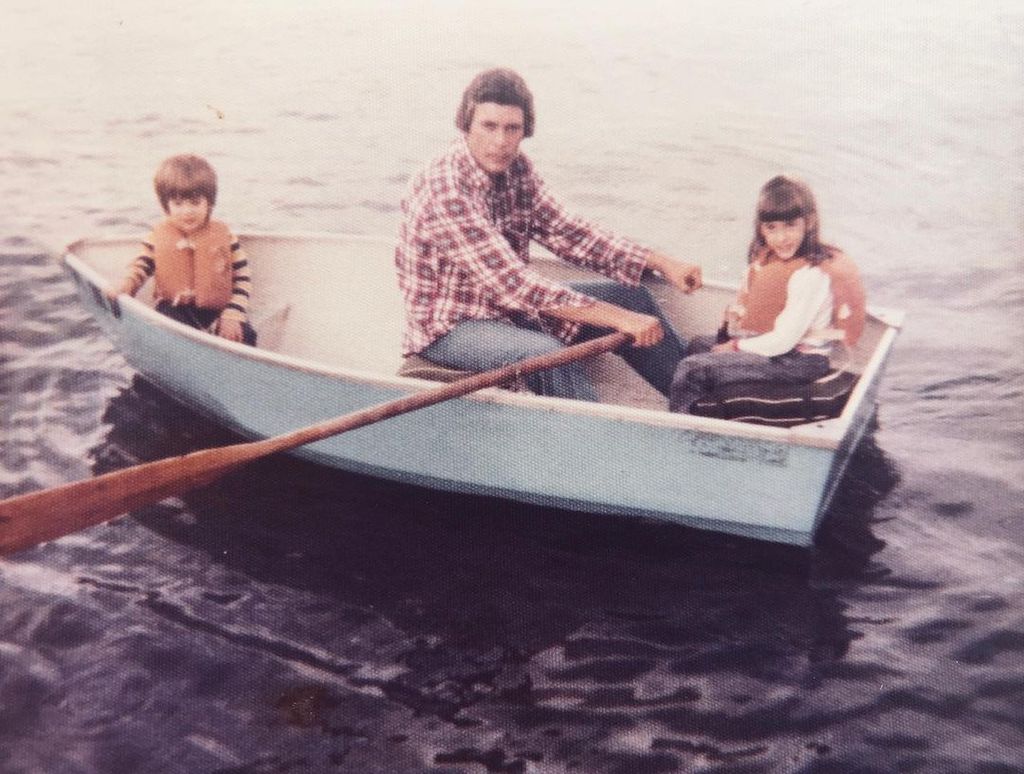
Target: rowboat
[(329, 316)]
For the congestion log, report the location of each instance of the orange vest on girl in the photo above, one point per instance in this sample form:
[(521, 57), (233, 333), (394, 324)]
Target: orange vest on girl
[(763, 295), (195, 268)]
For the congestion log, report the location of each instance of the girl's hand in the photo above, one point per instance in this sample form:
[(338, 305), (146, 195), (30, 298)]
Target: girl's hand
[(685, 276), (230, 329), (726, 346)]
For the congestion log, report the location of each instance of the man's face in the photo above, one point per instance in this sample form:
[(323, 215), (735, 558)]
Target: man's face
[(494, 136)]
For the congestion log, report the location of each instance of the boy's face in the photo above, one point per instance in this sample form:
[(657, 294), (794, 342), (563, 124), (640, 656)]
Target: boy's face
[(188, 213)]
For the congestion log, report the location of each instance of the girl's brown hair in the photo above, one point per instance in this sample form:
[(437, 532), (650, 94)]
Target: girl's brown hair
[(788, 198), (185, 176), (502, 87)]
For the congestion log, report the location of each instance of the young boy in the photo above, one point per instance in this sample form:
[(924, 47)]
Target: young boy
[(202, 275)]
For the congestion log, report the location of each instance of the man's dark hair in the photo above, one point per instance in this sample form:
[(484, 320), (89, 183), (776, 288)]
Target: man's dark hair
[(502, 87)]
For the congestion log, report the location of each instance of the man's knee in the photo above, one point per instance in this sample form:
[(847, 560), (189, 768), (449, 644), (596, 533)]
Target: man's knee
[(522, 344), (635, 298), (478, 345), (639, 299)]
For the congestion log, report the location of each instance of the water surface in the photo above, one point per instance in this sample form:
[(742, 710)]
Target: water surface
[(292, 619)]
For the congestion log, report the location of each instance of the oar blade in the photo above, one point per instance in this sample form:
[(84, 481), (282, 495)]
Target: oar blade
[(33, 518), (51, 513)]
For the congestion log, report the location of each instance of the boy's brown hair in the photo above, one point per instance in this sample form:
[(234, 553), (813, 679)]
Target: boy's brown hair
[(186, 176), (502, 87)]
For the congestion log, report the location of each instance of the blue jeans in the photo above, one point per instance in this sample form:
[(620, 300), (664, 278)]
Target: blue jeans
[(702, 373), (481, 345)]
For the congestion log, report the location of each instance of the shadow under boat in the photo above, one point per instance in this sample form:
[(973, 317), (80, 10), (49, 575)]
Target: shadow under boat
[(289, 521), (476, 590)]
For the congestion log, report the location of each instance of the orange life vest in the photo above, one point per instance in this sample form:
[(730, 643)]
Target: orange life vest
[(763, 295), (193, 268)]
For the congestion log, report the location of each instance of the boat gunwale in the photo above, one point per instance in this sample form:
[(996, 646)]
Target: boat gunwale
[(827, 434)]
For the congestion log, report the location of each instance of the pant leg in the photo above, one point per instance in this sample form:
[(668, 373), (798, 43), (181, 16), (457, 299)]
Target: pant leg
[(700, 374), (183, 313), (482, 345), (656, 364), (203, 319), (700, 343)]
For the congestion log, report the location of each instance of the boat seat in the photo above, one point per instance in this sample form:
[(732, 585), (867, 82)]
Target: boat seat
[(780, 405), (416, 367), (269, 324)]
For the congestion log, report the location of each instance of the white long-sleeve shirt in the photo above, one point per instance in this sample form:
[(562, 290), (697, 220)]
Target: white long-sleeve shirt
[(807, 314)]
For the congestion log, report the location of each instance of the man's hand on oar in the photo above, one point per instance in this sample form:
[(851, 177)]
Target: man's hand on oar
[(33, 518)]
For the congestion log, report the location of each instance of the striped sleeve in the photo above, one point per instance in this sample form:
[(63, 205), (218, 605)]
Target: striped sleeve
[(241, 284), (139, 270)]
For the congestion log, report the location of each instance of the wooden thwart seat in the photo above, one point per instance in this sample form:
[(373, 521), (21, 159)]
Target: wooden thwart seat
[(416, 367), (778, 405)]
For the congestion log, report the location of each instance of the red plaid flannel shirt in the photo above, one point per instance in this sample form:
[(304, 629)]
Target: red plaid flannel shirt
[(463, 250)]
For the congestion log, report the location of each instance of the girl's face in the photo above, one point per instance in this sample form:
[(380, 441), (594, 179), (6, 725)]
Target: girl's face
[(188, 213), (784, 237)]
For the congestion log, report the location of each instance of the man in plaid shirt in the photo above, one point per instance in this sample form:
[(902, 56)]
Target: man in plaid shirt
[(472, 300)]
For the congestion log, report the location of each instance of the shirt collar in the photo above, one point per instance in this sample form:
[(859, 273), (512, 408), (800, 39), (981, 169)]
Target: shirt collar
[(474, 174)]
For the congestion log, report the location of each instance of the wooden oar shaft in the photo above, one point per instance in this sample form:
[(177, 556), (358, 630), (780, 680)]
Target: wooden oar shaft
[(27, 520), (464, 386)]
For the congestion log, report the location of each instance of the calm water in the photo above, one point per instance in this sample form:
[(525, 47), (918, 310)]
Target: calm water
[(293, 619)]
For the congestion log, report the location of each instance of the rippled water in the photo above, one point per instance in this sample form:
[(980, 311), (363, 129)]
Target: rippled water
[(293, 619)]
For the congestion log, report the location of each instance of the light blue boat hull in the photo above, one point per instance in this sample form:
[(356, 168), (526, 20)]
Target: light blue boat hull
[(540, 451)]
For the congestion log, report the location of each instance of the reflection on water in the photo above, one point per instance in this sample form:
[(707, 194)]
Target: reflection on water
[(292, 619), (606, 641), (295, 618)]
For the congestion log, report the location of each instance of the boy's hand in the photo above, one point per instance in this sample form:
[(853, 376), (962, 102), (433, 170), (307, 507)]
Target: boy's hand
[(113, 291), (229, 328), (685, 276)]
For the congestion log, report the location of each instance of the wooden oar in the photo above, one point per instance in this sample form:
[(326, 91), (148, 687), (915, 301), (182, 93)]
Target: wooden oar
[(33, 518)]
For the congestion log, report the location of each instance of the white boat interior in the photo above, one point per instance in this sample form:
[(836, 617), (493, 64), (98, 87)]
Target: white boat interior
[(329, 316), (334, 300)]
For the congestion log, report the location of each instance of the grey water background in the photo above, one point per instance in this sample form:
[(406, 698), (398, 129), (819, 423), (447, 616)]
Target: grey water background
[(293, 619)]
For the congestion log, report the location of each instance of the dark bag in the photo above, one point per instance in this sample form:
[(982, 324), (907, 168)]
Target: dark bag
[(779, 405)]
